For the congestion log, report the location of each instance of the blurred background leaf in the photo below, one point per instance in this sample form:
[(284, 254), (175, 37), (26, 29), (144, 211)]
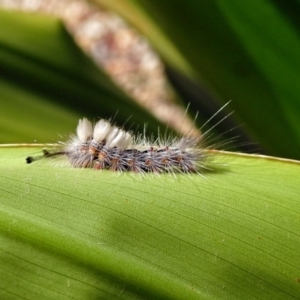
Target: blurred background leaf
[(213, 52), (245, 52), (47, 83)]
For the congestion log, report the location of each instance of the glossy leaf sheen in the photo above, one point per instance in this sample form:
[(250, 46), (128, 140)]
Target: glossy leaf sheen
[(84, 234)]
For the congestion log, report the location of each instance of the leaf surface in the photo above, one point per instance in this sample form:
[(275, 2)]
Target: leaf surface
[(85, 234)]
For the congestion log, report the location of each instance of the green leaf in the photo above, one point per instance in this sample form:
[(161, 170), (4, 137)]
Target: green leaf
[(86, 234), (244, 52), (47, 83)]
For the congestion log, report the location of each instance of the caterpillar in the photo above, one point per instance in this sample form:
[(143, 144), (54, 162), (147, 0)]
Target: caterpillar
[(104, 146)]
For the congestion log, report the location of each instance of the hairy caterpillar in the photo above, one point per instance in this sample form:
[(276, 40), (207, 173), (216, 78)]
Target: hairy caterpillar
[(106, 146)]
